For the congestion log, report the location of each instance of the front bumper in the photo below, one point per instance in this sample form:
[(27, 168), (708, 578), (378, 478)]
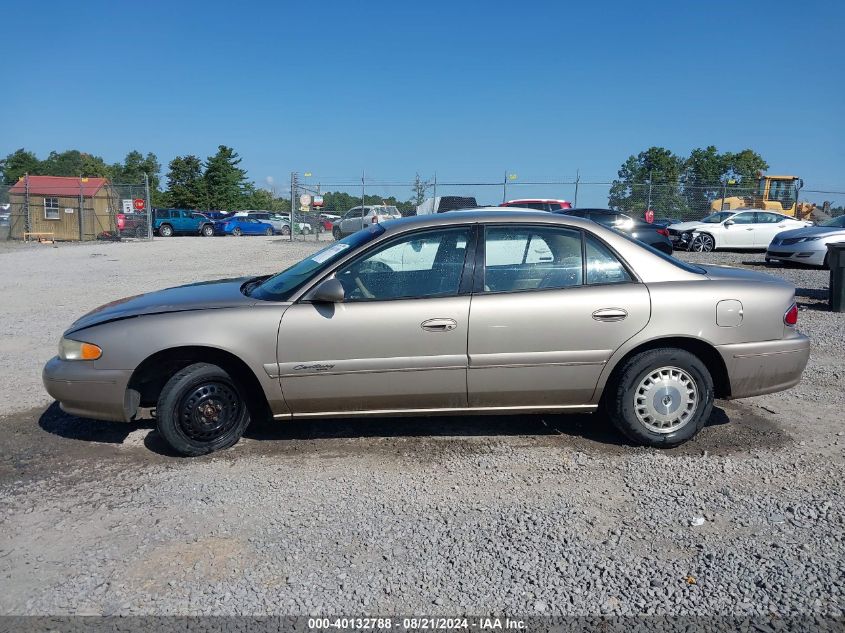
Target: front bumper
[(680, 239), (765, 367), (799, 253), (87, 392)]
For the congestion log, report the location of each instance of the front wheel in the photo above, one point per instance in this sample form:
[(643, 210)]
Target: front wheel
[(208, 231), (268, 232), (703, 243), (662, 397), (200, 410), (286, 230), (336, 233), (236, 232)]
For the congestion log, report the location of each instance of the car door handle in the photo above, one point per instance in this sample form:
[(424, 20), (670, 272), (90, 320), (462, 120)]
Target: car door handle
[(439, 325), (750, 228), (610, 314)]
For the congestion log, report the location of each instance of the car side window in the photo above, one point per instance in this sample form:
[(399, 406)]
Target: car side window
[(743, 218), (531, 258), (424, 264), (768, 218), (603, 267)]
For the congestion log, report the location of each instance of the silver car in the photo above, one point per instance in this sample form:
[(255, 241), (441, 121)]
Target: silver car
[(807, 245), (463, 312), (358, 218)]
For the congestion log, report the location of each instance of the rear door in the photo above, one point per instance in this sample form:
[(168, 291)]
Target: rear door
[(544, 321), (399, 339), (768, 225)]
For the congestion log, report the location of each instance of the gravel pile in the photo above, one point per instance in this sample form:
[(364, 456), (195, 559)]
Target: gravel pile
[(525, 515)]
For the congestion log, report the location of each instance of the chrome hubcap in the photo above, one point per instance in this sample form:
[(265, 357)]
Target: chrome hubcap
[(666, 399)]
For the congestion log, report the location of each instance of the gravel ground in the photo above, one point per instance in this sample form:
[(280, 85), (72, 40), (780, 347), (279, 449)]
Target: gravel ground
[(524, 515)]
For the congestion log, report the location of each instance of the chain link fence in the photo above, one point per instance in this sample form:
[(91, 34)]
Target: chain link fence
[(318, 205)]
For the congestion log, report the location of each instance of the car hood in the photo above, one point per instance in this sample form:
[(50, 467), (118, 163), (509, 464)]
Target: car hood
[(690, 226), (223, 293), (812, 231)]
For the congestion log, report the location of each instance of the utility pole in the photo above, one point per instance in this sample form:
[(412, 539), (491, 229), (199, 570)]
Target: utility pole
[(505, 188), (362, 193)]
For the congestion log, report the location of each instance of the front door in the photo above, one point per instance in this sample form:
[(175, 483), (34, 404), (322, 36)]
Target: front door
[(352, 221), (398, 341), (767, 226), (540, 332), (740, 233)]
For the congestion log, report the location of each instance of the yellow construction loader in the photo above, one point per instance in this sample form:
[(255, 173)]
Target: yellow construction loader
[(773, 193)]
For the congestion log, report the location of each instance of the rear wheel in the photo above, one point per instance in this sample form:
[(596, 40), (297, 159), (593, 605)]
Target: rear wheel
[(165, 230), (662, 397), (268, 232), (285, 230), (336, 233), (201, 410), (208, 230)]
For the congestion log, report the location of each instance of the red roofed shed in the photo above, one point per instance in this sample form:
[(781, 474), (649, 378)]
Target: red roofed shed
[(66, 208)]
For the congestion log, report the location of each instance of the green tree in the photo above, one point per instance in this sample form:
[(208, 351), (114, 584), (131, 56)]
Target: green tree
[(264, 200), (74, 163), (185, 184), (656, 171), (133, 168), (18, 163), (226, 183)]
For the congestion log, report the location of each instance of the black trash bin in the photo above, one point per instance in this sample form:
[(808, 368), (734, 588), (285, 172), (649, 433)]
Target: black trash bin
[(836, 262)]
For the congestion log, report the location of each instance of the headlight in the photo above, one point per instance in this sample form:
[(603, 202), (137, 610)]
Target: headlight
[(811, 239), (77, 350)]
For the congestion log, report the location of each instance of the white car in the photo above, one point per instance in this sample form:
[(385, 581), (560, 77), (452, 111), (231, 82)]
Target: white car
[(743, 228), (358, 218)]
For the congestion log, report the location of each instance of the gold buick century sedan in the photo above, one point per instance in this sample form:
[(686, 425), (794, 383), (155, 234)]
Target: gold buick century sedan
[(487, 311)]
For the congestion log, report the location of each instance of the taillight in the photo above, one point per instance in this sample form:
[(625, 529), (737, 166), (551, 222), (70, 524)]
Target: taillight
[(791, 316), (663, 232), (375, 219)]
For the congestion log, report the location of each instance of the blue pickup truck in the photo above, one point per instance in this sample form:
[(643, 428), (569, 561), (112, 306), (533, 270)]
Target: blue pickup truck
[(169, 222)]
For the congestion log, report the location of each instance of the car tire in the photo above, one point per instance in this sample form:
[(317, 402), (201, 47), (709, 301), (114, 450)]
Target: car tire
[(201, 410), (662, 397), (286, 230), (207, 231), (336, 233), (703, 243), (236, 232), (165, 230)]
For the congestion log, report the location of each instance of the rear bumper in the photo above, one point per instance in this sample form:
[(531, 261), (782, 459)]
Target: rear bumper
[(765, 367), (90, 393)]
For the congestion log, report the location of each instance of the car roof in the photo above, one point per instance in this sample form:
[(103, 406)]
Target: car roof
[(484, 215), (517, 200)]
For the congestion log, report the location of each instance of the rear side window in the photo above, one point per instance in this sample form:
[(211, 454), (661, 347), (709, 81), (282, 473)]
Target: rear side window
[(603, 267), (531, 258)]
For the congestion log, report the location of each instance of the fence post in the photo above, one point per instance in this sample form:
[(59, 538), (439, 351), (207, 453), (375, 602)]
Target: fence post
[(27, 219), (149, 206), (434, 196), (724, 194), (577, 183), (648, 203), (292, 201), (81, 210), (362, 194), (505, 188)]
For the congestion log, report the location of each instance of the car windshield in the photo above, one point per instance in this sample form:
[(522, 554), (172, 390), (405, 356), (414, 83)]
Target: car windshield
[(835, 222), (715, 218), (281, 286)]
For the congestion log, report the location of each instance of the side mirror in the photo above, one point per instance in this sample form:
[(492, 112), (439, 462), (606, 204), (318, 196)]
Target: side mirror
[(728, 222), (327, 291)]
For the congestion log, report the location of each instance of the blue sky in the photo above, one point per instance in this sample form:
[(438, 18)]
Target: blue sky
[(466, 89)]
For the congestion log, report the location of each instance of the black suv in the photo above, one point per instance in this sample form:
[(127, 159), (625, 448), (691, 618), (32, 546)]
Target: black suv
[(651, 234)]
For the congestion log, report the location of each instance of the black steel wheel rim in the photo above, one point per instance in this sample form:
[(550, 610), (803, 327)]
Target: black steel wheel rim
[(209, 410)]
